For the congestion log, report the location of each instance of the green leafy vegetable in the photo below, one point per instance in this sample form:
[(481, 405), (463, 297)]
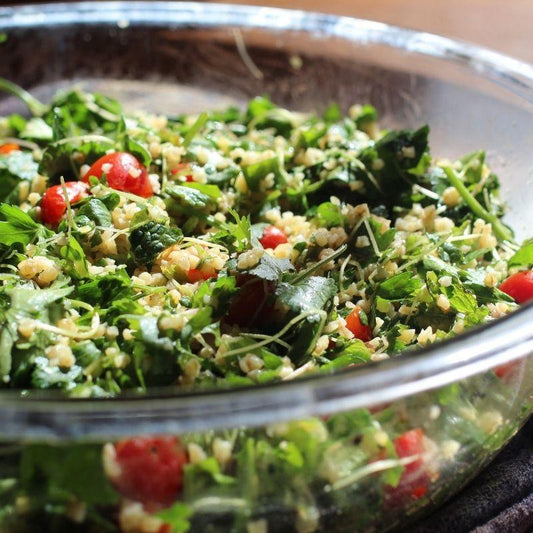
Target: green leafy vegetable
[(18, 227), (149, 240)]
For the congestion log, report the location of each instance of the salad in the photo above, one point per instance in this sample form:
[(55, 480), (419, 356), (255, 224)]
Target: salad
[(225, 249)]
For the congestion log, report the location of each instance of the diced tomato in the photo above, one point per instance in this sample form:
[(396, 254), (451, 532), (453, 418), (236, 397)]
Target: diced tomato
[(7, 148), (409, 444), (151, 470), (181, 168), (272, 237), (519, 286), (355, 325), (194, 275), (507, 369), (123, 173), (415, 480), (251, 305), (53, 204)]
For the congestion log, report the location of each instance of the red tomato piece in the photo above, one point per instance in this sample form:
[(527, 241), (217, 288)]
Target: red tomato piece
[(53, 204), (409, 444), (272, 236), (8, 148), (519, 286), (123, 173), (508, 370), (194, 275), (151, 470), (181, 168), (251, 305), (414, 481), (355, 325)]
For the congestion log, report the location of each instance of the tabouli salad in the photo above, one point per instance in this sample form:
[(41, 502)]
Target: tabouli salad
[(232, 248)]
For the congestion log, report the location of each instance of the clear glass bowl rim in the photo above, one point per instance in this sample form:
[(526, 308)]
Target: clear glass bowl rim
[(48, 415)]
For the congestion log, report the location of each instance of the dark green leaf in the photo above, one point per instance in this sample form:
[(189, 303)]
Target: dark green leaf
[(313, 293), (138, 149), (75, 469), (94, 209), (75, 260), (149, 240)]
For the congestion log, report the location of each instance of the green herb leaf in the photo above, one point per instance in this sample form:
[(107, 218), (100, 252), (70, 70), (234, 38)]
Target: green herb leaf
[(399, 286), (271, 268), (149, 240), (312, 293), (95, 209), (76, 262), (18, 226), (523, 257), (15, 168), (177, 516)]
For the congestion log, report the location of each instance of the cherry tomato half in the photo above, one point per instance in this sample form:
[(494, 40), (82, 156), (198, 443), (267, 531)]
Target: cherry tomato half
[(519, 286), (151, 470), (8, 148), (123, 173), (415, 480), (355, 325), (272, 236), (53, 204)]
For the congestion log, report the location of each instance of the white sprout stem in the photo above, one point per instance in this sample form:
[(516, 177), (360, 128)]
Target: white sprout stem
[(85, 138), (262, 336), (95, 324), (373, 468), (245, 56), (279, 334), (21, 142), (341, 271), (216, 502), (372, 237)]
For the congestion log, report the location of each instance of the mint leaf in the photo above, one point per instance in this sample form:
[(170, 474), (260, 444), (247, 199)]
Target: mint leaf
[(149, 240)]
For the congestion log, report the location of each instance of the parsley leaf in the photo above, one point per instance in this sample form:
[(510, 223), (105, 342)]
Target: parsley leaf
[(271, 268), (18, 226), (399, 286), (310, 294)]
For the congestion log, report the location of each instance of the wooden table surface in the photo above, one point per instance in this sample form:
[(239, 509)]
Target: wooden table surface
[(506, 26)]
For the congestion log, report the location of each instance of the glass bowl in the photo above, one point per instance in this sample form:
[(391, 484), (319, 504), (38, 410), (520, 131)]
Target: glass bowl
[(304, 455)]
